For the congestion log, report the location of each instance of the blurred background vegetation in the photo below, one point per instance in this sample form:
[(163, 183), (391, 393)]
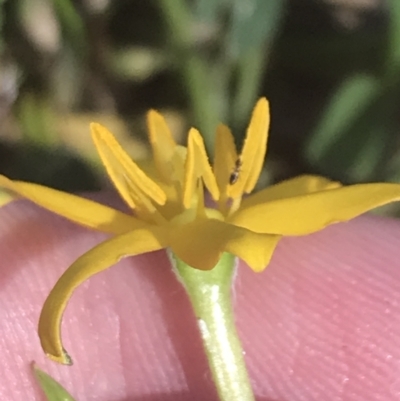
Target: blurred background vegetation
[(330, 68)]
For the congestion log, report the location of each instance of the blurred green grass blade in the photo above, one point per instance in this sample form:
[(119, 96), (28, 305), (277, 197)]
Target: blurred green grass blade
[(252, 22), (1, 23), (207, 10), (53, 390), (361, 148), (371, 138), (348, 103), (360, 154), (1, 11), (36, 119), (72, 24), (194, 67), (253, 30), (392, 170), (178, 19), (369, 156), (250, 70), (393, 54)]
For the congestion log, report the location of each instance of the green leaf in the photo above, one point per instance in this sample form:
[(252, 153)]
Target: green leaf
[(53, 390), (370, 139), (393, 55)]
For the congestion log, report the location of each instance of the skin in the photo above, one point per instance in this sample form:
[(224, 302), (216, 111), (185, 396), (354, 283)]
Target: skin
[(321, 323)]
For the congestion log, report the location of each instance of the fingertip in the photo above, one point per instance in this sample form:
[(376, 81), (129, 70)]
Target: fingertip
[(320, 321)]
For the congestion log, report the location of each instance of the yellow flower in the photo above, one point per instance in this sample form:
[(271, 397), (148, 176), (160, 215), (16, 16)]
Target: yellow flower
[(169, 211)]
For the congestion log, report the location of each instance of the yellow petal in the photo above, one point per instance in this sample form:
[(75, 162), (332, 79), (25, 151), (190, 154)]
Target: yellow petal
[(131, 182), (162, 143), (254, 149), (201, 243), (94, 261), (79, 210), (225, 158), (196, 167), (305, 214), (5, 197), (297, 186)]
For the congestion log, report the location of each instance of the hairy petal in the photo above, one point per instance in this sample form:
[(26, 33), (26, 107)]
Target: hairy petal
[(224, 159)]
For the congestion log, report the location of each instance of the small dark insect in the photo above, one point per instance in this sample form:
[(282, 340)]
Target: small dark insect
[(235, 173)]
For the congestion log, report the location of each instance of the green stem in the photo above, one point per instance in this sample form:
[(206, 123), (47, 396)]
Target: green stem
[(210, 295)]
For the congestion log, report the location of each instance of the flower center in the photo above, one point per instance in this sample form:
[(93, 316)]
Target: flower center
[(189, 215)]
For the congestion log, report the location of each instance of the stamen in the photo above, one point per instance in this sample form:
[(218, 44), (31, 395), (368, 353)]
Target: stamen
[(162, 143), (197, 166), (234, 206), (224, 163), (201, 212), (254, 149), (131, 182)]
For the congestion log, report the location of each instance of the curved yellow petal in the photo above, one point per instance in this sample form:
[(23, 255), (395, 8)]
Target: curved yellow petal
[(297, 186), (94, 261), (201, 243), (131, 182), (253, 153), (224, 160), (305, 214), (75, 208), (162, 143), (197, 167)]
